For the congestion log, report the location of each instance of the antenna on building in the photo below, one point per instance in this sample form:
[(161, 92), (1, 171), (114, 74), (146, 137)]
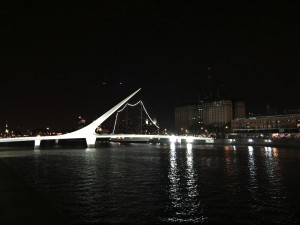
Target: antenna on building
[(209, 77), (210, 73)]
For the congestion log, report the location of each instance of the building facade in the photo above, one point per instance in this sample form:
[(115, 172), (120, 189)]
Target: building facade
[(288, 123), (214, 113), (217, 113), (187, 116)]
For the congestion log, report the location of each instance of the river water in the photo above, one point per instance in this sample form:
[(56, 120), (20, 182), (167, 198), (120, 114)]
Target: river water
[(166, 184)]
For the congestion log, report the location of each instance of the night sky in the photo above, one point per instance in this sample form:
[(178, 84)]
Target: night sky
[(61, 61)]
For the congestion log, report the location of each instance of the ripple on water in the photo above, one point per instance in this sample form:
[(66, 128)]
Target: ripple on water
[(149, 184)]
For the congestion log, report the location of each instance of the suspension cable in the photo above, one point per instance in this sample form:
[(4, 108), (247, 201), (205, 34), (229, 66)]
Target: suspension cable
[(132, 105)]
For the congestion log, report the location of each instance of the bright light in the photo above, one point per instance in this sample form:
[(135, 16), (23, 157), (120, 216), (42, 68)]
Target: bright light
[(189, 139), (172, 146), (172, 139), (250, 140), (189, 146)]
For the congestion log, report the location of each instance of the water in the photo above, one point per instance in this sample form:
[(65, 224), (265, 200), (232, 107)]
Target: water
[(166, 184)]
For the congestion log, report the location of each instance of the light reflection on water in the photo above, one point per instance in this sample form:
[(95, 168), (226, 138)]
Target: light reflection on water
[(254, 200), (167, 184), (193, 201), (174, 191), (185, 203), (229, 165), (252, 168)]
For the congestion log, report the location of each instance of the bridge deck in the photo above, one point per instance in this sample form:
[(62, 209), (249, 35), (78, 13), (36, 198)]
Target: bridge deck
[(142, 136)]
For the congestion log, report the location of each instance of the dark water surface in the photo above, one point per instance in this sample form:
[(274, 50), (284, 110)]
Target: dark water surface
[(166, 184)]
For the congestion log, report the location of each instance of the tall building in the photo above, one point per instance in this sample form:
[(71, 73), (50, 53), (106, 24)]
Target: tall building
[(217, 113), (215, 107), (187, 116), (221, 112)]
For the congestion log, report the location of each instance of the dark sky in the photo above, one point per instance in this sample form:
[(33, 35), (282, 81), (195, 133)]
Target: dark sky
[(55, 57)]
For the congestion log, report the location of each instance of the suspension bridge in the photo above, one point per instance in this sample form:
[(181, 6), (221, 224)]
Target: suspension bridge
[(146, 130)]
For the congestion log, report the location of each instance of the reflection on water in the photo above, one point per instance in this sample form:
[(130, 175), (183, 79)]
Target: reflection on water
[(17, 153), (263, 196), (273, 167), (174, 191), (162, 184), (193, 201), (272, 164), (185, 205), (251, 166), (253, 185), (229, 165)]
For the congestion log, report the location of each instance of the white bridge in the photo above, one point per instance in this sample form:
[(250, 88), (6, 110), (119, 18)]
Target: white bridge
[(88, 133)]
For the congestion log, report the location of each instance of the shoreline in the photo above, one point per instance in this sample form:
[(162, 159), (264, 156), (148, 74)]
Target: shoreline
[(258, 142), (225, 141)]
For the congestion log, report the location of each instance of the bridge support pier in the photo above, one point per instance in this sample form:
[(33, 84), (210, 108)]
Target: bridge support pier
[(37, 143), (90, 141)]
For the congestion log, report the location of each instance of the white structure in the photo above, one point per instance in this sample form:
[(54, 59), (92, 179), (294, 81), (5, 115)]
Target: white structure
[(88, 132)]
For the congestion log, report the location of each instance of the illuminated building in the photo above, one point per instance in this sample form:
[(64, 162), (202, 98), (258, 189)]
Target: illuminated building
[(286, 123), (217, 113), (213, 108)]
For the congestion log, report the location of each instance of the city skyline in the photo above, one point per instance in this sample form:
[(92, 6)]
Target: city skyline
[(59, 63)]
